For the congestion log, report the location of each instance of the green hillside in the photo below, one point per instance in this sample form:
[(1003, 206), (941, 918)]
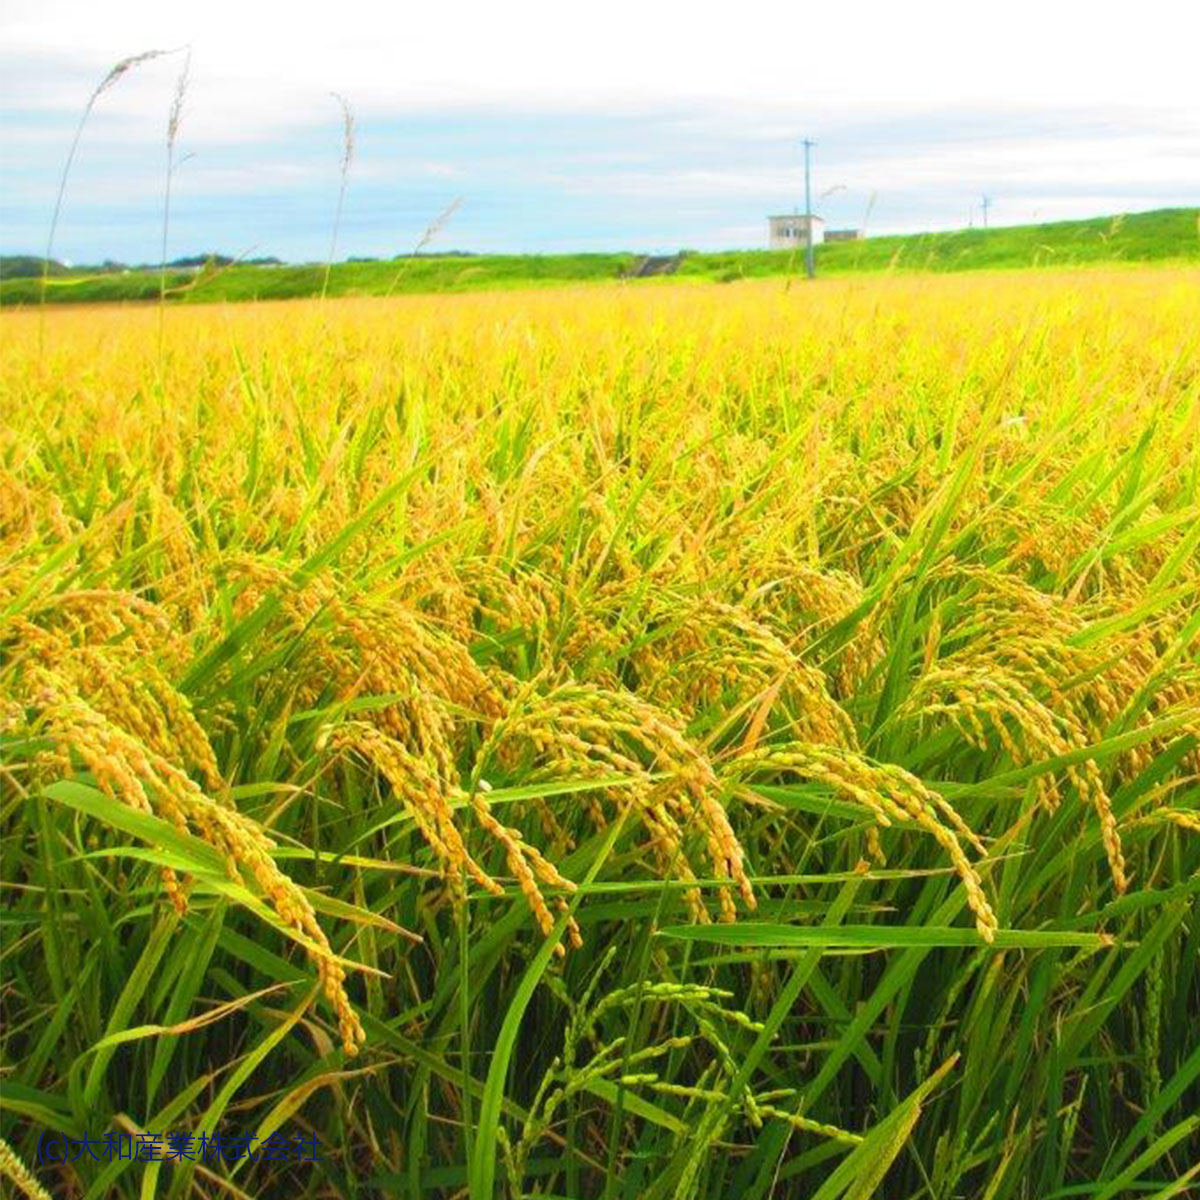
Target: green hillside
[(1165, 234)]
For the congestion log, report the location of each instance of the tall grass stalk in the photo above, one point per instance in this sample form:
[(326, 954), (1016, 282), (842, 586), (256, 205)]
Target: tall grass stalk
[(431, 231), (344, 174), (115, 74), (173, 122)]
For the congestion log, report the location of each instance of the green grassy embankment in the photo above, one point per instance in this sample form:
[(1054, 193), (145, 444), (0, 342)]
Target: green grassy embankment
[(1163, 235)]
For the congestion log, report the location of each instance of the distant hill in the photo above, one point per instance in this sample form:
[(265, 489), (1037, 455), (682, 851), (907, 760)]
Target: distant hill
[(1169, 234), (27, 266)]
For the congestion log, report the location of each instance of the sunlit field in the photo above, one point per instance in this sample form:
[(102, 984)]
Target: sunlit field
[(685, 741)]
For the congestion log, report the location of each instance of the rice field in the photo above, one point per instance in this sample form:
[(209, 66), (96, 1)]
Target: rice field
[(605, 742)]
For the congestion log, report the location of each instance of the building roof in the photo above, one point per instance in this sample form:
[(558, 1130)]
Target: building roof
[(794, 217)]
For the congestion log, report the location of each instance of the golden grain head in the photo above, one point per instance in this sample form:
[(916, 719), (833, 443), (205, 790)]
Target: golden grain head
[(509, 572)]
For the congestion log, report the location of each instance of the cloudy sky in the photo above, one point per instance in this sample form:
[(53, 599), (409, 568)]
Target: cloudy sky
[(646, 125)]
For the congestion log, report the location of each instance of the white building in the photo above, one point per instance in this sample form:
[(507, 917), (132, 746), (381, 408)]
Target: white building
[(790, 231)]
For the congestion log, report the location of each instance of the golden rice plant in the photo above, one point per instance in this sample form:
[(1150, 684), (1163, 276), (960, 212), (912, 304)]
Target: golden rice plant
[(819, 654)]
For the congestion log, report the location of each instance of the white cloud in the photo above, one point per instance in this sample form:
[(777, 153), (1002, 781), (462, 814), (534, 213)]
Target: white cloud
[(629, 53), (655, 106)]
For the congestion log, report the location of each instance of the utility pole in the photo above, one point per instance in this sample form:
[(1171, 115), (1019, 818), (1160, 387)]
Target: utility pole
[(987, 203), (809, 266)]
